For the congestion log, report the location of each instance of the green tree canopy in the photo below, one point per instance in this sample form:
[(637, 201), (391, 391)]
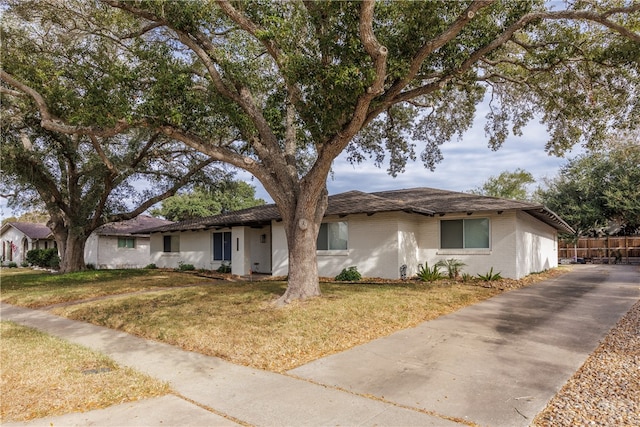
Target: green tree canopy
[(599, 192), (280, 89), (223, 197), (508, 185)]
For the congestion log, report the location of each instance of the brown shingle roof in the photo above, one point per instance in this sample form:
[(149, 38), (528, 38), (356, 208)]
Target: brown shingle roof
[(32, 230), (425, 201), (136, 225)]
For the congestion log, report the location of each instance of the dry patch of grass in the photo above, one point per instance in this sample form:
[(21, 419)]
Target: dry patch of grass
[(45, 376), (238, 322), (35, 289)]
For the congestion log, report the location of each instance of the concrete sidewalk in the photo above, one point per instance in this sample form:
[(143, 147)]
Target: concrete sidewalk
[(496, 363), (229, 392)]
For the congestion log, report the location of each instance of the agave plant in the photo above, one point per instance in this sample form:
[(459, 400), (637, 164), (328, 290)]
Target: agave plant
[(427, 274)]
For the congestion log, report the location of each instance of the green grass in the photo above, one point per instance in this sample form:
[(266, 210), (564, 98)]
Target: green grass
[(45, 376)]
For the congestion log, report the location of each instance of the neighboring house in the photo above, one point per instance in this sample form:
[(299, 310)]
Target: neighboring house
[(18, 238), (379, 233), (120, 244)]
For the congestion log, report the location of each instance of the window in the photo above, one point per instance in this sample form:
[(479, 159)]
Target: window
[(171, 243), (126, 242), (333, 236), (222, 246), (464, 234)]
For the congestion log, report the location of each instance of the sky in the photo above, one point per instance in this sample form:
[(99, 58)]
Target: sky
[(467, 164)]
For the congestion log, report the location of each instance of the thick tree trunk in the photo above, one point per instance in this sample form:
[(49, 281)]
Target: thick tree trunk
[(302, 235), (72, 259), (70, 245)]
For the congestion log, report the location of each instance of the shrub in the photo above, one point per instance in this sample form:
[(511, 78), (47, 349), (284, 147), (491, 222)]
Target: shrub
[(224, 268), (24, 264), (490, 276), (46, 258), (466, 277), (151, 266), (350, 274), (12, 264), (427, 274), (453, 266), (90, 266), (185, 267)]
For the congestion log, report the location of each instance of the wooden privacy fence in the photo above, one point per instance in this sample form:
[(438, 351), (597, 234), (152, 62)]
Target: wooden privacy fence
[(607, 250)]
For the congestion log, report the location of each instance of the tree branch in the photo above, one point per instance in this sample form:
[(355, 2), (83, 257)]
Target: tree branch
[(52, 123), (96, 146), (508, 35), (432, 45), (170, 192), (11, 92)]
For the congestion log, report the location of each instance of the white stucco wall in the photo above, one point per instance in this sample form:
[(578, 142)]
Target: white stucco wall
[(91, 250), (16, 254), (408, 234), (538, 245), (103, 252), (519, 245), (195, 249), (249, 250), (500, 255), (377, 245), (280, 254), (259, 249)]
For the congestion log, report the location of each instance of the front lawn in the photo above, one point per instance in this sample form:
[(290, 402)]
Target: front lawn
[(45, 376), (35, 289), (237, 320)]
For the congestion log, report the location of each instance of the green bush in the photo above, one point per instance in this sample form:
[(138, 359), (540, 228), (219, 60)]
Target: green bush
[(45, 258), (466, 277), (490, 276), (453, 266), (12, 264), (427, 274), (350, 274), (151, 267), (185, 267), (90, 266), (224, 268)]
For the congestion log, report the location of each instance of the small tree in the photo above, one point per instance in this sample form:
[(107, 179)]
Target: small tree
[(507, 185), (225, 196), (599, 191)]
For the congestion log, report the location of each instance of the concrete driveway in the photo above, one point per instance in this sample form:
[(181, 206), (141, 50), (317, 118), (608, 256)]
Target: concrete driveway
[(496, 363)]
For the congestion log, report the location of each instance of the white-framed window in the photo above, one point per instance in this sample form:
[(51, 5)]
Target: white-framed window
[(171, 243), (464, 233), (127, 242), (333, 236), (222, 246)]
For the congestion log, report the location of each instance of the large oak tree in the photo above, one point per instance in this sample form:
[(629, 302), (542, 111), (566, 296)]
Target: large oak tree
[(82, 180), (296, 83)]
